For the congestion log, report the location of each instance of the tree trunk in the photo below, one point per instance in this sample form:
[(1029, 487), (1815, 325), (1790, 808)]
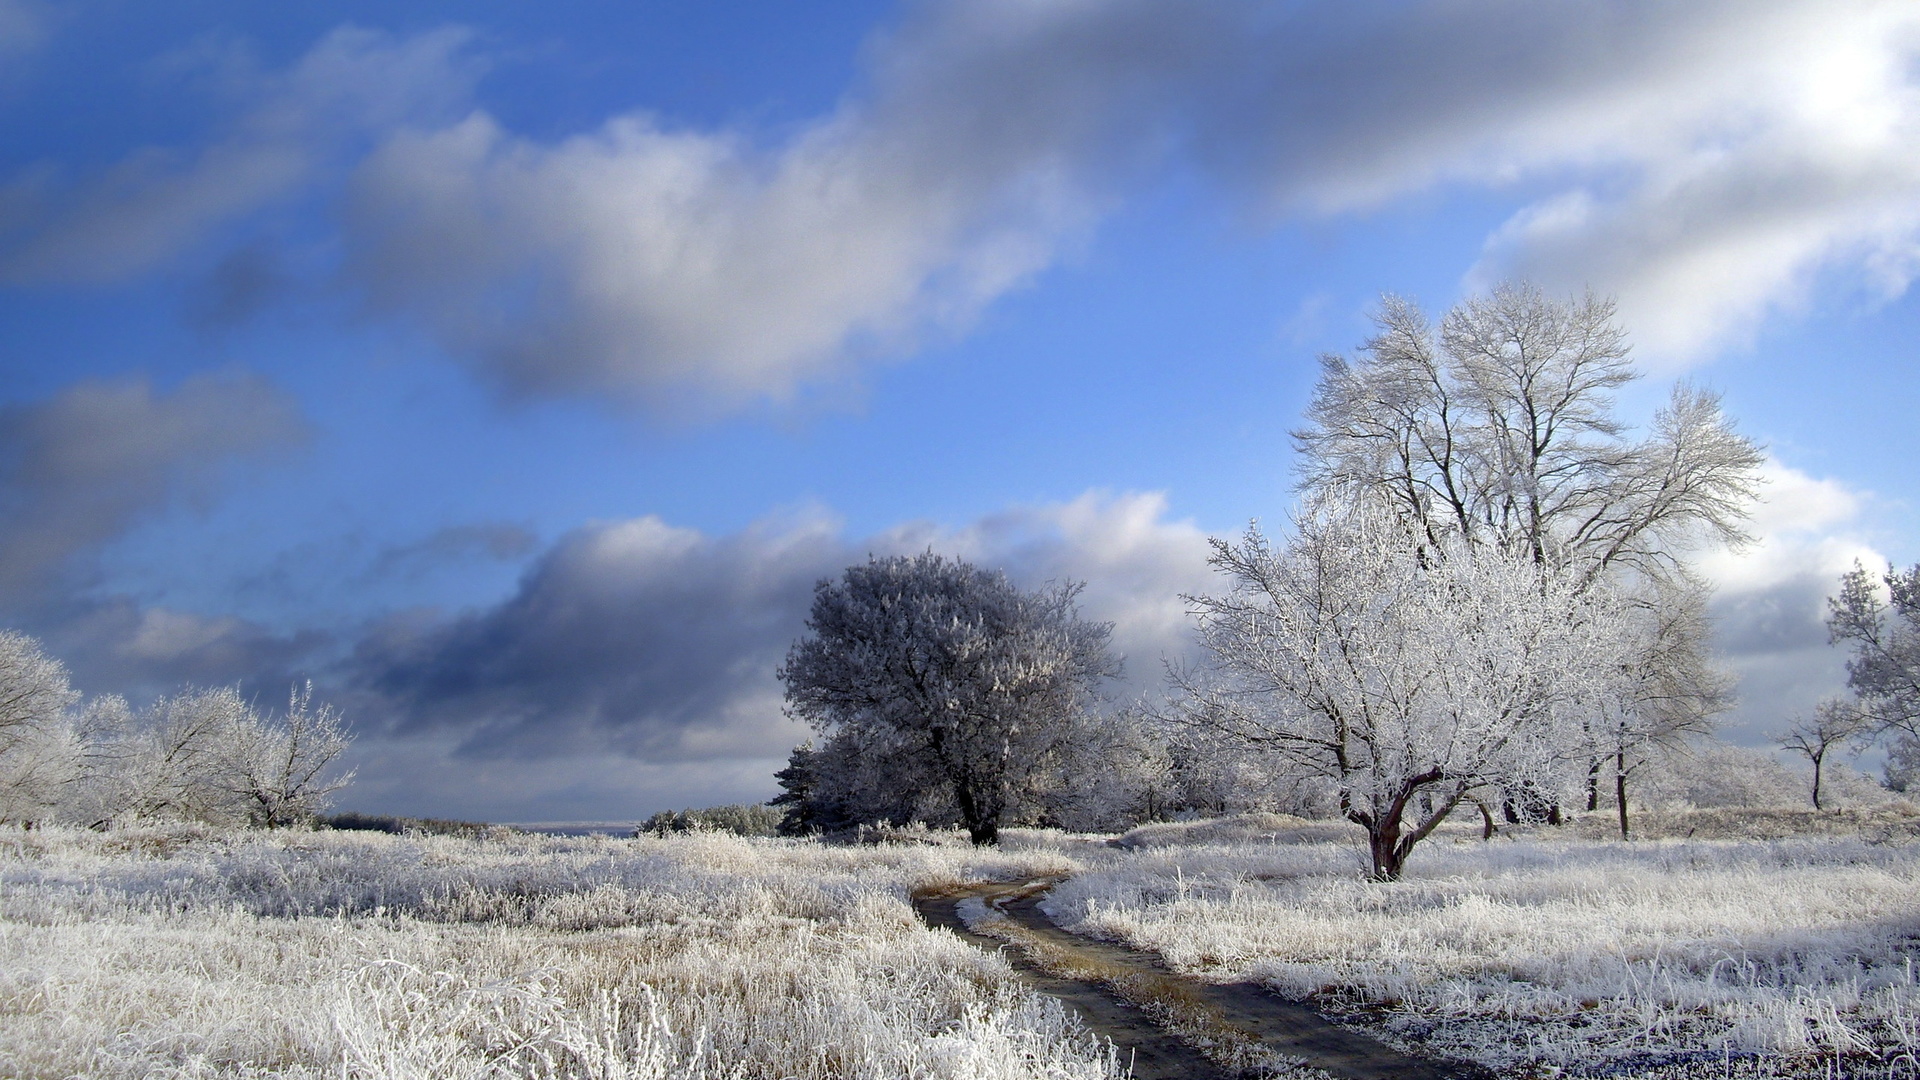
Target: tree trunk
[(982, 822), (1620, 790), (1388, 859), (1816, 776), (1486, 819), (1593, 785)]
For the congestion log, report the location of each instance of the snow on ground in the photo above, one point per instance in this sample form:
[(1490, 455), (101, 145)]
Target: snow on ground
[(1544, 954)]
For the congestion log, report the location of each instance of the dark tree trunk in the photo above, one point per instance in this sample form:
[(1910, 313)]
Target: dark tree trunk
[(1486, 819), (1816, 776), (1620, 791), (983, 825), (1388, 859)]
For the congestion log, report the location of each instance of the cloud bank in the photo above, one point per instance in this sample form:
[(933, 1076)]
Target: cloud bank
[(1703, 161), (659, 643), (291, 135), (1709, 162)]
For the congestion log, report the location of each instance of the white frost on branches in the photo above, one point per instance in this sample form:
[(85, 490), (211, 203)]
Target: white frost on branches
[(199, 754)]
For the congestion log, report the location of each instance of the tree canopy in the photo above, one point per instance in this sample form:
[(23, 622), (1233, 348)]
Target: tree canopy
[(935, 678)]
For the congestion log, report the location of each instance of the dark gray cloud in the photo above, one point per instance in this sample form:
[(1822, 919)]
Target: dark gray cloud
[(82, 467), (644, 641), (242, 284), (635, 638), (1770, 604)]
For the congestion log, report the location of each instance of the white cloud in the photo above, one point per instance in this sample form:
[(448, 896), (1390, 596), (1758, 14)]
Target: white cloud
[(1792, 152), (1705, 161), (1803, 525)]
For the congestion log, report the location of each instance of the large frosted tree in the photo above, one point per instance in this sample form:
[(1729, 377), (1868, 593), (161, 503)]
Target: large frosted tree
[(1498, 426), (39, 756), (926, 672)]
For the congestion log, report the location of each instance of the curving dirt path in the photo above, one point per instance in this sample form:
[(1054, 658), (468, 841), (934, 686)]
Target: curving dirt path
[(1172, 1027)]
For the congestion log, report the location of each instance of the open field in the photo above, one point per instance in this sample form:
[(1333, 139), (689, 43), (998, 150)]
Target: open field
[(372, 956), (1548, 953), (198, 953)]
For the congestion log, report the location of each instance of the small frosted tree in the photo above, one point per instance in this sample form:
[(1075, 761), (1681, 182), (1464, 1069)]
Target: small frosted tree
[(1833, 724), (280, 769), (171, 760), (939, 678), (1666, 689), (1406, 675), (208, 755)]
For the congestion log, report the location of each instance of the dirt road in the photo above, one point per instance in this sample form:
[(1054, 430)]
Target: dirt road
[(1172, 1027)]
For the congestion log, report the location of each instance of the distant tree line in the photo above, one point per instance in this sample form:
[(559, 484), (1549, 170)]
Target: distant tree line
[(198, 755)]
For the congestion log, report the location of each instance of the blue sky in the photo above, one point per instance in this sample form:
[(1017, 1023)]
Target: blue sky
[(514, 370)]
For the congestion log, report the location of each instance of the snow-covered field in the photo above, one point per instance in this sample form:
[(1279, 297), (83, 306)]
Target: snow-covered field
[(365, 955), (1543, 954), (203, 953)]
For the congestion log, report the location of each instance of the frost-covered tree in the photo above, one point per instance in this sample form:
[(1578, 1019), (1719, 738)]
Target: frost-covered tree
[(173, 759), (208, 755), (1498, 425), (1903, 765), (1666, 690), (1878, 618), (38, 753), (1833, 724), (280, 769), (204, 755), (1407, 675), (933, 678)]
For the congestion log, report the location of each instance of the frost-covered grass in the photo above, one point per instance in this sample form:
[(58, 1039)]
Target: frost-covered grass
[(1544, 954), (171, 953), (363, 955)]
